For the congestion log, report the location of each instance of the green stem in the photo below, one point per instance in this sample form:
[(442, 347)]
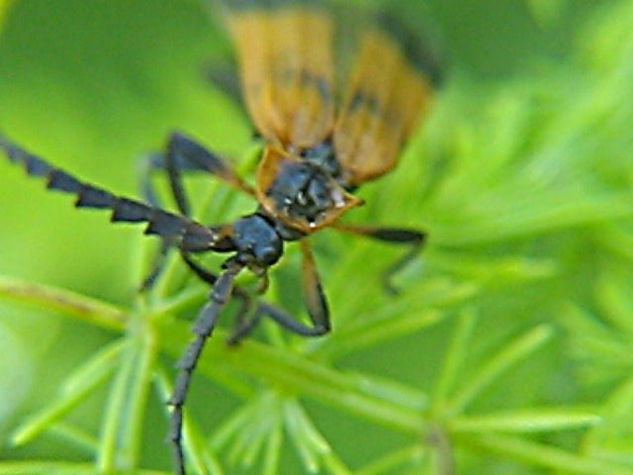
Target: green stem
[(543, 456), (77, 436), (136, 402), (272, 453), (91, 310), (57, 468), (510, 355), (114, 417), (454, 358), (396, 462), (283, 369), (77, 387)]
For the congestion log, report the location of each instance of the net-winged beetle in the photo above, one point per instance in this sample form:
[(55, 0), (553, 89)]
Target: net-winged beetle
[(322, 142)]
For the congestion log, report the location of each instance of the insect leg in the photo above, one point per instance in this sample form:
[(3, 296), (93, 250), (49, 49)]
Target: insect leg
[(183, 154), (210, 278), (313, 297), (411, 237), (152, 163), (284, 319), (313, 292), (204, 275), (219, 296), (247, 325), (244, 326)]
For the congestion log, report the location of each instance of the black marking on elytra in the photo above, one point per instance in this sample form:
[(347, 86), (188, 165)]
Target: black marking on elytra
[(319, 83), (417, 48), (291, 76), (362, 99)]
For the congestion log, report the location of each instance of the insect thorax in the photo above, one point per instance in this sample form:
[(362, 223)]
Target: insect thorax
[(302, 190)]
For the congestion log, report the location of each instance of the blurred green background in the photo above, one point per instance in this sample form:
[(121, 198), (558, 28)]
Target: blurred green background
[(522, 301)]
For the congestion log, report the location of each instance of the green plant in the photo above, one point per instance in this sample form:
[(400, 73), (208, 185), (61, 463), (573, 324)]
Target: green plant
[(509, 349)]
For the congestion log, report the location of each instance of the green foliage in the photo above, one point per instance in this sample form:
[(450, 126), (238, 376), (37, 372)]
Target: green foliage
[(4, 9), (509, 349)]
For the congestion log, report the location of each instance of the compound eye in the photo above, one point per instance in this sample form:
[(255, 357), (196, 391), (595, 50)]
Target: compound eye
[(268, 255)]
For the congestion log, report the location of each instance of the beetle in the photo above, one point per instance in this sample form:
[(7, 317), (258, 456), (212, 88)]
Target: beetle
[(322, 142)]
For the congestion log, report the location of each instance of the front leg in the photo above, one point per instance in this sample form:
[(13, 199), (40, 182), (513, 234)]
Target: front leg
[(246, 325), (205, 323), (411, 237), (184, 154), (313, 295)]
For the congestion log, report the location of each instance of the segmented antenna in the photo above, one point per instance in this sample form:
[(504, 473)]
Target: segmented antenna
[(185, 233)]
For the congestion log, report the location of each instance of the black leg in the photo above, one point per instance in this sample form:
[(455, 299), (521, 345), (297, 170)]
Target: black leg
[(243, 325), (280, 317), (289, 323), (204, 275), (208, 276), (246, 325), (313, 295), (220, 294), (414, 238), (184, 154)]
